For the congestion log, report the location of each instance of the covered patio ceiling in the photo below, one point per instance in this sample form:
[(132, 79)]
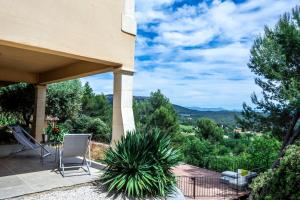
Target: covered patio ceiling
[(42, 66), (21, 63), (42, 42)]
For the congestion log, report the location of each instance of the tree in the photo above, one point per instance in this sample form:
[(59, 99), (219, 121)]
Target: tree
[(156, 112), (163, 114), (87, 90), (165, 120), (157, 100), (64, 99), (96, 105), (262, 152), (141, 111), (275, 60), (87, 95), (196, 151), (208, 129), (18, 99)]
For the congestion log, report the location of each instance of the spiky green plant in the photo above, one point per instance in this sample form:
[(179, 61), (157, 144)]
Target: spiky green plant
[(140, 165)]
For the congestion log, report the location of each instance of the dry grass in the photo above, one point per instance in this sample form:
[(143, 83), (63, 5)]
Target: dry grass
[(98, 150)]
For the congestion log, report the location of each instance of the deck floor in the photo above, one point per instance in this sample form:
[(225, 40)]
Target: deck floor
[(25, 174)]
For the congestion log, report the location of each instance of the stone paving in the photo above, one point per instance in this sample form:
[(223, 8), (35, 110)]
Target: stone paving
[(24, 174)]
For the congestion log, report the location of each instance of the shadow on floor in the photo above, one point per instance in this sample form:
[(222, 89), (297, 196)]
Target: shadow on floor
[(24, 173)]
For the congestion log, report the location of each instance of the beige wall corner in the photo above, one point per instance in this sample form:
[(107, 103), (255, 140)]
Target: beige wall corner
[(39, 111), (129, 24), (123, 119), (88, 30)]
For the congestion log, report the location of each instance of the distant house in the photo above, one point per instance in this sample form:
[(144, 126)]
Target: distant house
[(238, 130)]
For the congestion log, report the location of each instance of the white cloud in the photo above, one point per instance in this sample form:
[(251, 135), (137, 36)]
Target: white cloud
[(198, 54), (150, 10)]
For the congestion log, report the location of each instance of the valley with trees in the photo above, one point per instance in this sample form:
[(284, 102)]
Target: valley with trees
[(202, 141)]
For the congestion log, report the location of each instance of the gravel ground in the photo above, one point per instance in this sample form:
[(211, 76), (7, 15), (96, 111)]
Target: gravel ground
[(82, 192)]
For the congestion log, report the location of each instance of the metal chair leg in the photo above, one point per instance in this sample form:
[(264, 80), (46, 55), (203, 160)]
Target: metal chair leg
[(88, 167)]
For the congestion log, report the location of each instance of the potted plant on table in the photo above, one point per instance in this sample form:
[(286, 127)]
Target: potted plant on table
[(52, 122), (56, 133)]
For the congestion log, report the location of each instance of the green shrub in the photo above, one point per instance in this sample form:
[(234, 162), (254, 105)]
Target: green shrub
[(179, 138), (237, 146), (78, 125), (85, 124), (283, 182), (101, 132), (196, 151), (260, 182), (187, 129), (262, 152), (9, 119), (140, 165), (225, 163)]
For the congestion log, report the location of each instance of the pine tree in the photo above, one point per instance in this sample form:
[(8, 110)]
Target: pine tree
[(88, 94), (156, 112), (275, 60)]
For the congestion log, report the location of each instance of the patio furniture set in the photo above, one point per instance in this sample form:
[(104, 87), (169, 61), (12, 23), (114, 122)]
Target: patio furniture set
[(74, 145), (237, 180)]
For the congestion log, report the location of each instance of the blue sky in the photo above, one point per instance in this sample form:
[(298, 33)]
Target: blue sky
[(197, 52)]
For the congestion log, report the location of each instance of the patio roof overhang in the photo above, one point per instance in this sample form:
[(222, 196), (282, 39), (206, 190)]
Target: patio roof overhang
[(43, 42), (40, 66)]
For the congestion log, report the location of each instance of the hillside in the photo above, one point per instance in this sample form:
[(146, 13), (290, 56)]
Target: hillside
[(225, 117), (206, 109), (221, 116)]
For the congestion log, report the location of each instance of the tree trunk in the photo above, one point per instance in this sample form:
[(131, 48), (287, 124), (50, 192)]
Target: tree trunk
[(26, 119), (289, 138)]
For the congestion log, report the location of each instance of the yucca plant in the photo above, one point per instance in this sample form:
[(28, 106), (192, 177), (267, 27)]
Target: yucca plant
[(140, 165)]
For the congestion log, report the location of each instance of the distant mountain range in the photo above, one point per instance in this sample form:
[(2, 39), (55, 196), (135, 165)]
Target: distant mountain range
[(220, 115), (214, 109), (206, 109)]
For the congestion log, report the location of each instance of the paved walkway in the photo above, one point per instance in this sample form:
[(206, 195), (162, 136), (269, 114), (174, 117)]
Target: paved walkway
[(24, 174)]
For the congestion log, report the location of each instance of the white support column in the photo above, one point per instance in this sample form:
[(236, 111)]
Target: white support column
[(39, 111), (123, 119), (129, 24)]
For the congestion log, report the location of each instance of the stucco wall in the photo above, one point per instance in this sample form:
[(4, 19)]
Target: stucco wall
[(89, 28)]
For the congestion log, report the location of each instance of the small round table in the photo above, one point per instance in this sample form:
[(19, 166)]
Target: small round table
[(56, 145)]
